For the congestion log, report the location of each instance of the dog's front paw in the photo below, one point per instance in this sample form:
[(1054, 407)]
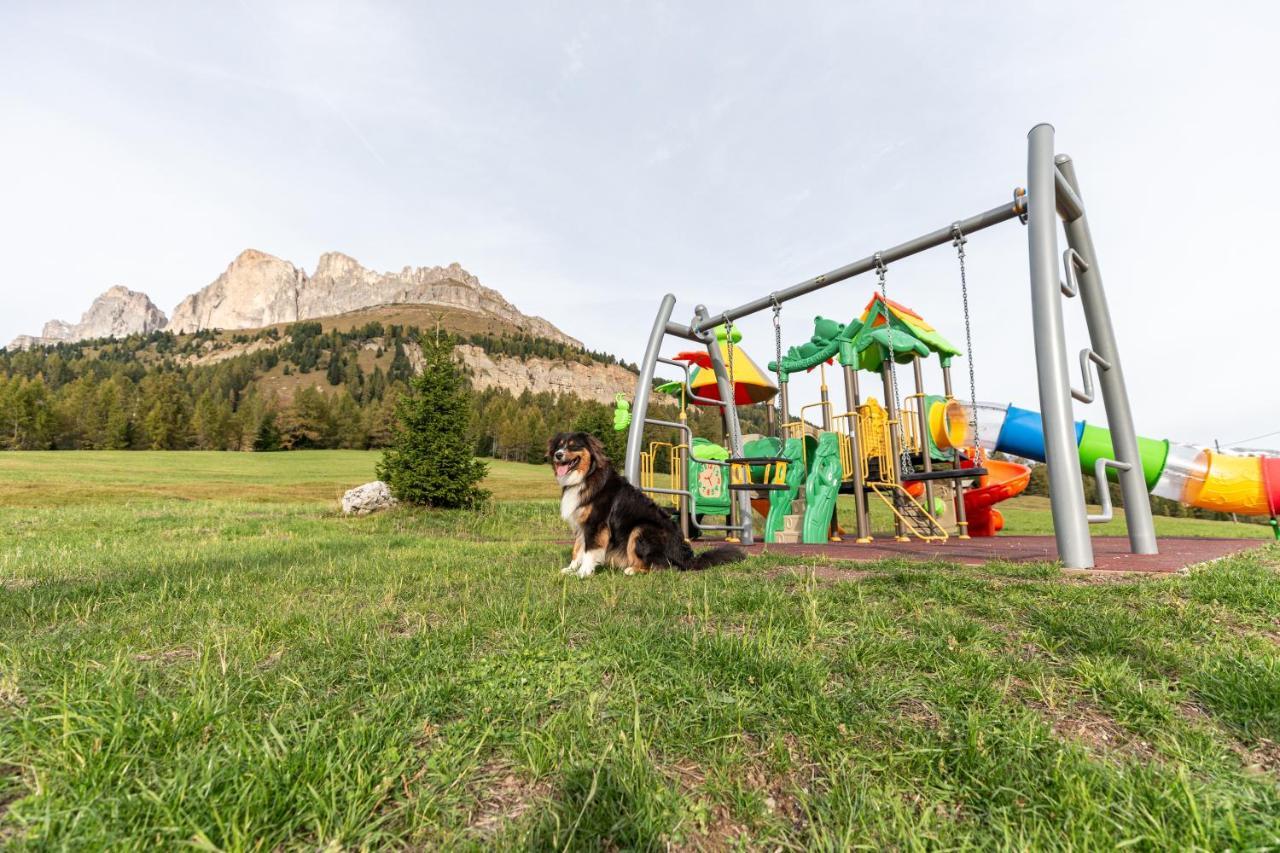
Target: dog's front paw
[(586, 572), (568, 570)]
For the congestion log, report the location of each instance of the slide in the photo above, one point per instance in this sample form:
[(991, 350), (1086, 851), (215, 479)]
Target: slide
[(1196, 476), (1004, 480)]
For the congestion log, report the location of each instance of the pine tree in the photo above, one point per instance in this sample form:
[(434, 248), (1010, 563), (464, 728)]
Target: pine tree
[(597, 419), (334, 373), (430, 460)]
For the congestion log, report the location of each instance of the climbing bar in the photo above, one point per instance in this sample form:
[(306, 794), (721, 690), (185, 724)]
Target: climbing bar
[(994, 216)]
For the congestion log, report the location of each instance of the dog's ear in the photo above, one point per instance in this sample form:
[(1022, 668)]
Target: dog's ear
[(553, 442), (596, 449)]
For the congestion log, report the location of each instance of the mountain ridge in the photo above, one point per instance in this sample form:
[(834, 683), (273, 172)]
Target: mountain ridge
[(259, 289)]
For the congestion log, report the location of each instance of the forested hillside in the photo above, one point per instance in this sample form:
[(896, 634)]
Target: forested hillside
[(279, 388)]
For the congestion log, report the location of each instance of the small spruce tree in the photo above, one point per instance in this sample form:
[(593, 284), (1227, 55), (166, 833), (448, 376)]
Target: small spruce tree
[(596, 419), (430, 460)]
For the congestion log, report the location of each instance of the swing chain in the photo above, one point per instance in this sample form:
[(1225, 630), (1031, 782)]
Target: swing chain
[(777, 346), (728, 337), (881, 269), (958, 240)]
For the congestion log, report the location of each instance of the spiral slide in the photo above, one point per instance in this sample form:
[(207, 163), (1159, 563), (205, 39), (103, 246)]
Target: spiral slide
[(1196, 476)]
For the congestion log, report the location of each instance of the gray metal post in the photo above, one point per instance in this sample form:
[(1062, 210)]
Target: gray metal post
[(741, 500), (1102, 337), (922, 421), (894, 474), (862, 534), (644, 384), (1066, 485), (962, 520), (825, 397)]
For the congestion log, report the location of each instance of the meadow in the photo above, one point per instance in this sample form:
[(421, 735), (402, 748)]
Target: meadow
[(197, 649)]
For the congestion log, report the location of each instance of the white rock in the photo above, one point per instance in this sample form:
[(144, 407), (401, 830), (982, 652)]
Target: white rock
[(115, 314), (368, 498), (256, 290)]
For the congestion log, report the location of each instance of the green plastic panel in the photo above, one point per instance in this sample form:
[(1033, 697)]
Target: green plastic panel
[(780, 501), (1095, 444), (822, 488)]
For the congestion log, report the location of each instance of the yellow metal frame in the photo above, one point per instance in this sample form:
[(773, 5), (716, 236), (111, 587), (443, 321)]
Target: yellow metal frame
[(910, 418), (649, 474), (849, 422), (874, 439)]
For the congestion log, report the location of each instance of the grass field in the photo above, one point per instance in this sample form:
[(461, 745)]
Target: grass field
[(197, 649)]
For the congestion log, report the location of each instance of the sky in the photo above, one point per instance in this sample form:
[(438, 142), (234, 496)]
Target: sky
[(586, 158)]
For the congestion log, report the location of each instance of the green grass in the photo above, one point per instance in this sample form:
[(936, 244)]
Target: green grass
[(196, 649)]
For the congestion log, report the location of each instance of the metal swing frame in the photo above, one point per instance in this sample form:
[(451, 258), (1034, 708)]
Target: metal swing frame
[(1052, 193)]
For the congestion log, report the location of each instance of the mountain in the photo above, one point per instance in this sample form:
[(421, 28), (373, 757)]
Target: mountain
[(258, 290), (117, 313)]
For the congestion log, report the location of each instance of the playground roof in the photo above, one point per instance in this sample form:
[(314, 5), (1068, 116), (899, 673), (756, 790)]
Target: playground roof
[(750, 383), (884, 323)]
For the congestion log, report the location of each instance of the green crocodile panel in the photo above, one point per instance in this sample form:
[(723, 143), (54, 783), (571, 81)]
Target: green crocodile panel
[(780, 501), (822, 488)]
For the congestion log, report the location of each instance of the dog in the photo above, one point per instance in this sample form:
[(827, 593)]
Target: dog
[(615, 523)]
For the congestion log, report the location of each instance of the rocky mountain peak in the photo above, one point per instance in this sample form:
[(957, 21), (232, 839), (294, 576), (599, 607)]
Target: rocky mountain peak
[(116, 313), (259, 289)]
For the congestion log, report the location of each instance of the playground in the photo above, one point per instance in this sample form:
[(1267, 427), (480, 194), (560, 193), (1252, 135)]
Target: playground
[(941, 463)]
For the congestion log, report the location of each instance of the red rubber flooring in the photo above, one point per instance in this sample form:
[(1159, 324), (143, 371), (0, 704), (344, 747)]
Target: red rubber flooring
[(1111, 553)]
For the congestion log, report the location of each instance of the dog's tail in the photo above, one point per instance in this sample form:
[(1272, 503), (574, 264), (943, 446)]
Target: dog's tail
[(716, 557)]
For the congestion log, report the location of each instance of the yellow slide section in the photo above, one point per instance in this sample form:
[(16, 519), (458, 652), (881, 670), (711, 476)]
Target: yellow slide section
[(1230, 484)]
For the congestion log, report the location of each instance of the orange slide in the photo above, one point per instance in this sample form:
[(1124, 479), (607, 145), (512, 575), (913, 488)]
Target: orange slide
[(1004, 480)]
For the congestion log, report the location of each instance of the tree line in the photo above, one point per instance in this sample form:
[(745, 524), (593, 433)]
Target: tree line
[(197, 392)]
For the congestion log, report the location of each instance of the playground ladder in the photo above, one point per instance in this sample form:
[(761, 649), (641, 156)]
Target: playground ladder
[(915, 519)]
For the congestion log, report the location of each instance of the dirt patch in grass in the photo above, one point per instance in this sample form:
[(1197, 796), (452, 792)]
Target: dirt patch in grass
[(501, 795), (1095, 576), (168, 656), (822, 573), (919, 712), (778, 783), (10, 695), (407, 625), (1262, 757), (1091, 727), (713, 626), (17, 584)]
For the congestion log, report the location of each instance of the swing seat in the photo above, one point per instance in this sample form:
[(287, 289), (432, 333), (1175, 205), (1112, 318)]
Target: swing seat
[(944, 474), (746, 462)]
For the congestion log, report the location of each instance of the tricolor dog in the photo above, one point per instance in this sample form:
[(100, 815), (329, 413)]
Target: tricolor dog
[(612, 521)]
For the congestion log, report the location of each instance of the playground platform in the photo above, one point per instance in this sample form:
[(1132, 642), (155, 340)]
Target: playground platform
[(1111, 553)]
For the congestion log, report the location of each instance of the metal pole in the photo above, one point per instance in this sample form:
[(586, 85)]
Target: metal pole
[(1102, 337), (1066, 485), (862, 534), (983, 220), (825, 396), (922, 418), (962, 519), (740, 501), (644, 384), (893, 475), (682, 462)]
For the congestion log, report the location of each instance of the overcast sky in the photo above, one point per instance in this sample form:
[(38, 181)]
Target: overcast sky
[(584, 159)]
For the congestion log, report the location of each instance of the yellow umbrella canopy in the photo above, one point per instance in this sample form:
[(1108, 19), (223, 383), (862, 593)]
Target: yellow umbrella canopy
[(750, 383)]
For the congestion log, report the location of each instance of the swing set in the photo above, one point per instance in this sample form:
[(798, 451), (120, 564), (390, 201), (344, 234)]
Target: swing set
[(913, 453)]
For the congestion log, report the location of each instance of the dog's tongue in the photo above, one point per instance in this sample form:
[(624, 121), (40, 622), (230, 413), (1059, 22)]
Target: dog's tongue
[(562, 468)]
